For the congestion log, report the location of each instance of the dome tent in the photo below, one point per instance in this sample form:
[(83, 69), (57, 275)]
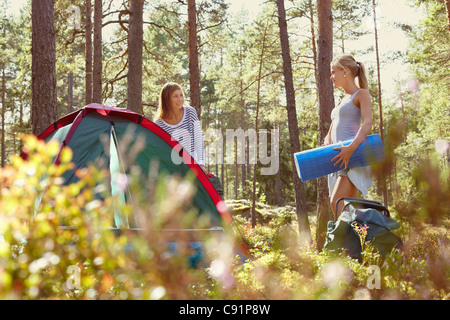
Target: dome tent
[(95, 133)]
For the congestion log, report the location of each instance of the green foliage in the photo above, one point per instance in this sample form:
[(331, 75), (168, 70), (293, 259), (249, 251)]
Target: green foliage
[(36, 254), (59, 242), (429, 52), (282, 270)]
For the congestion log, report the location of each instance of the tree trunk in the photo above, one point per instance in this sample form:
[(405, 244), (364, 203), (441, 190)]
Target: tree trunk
[(135, 43), (326, 104), (21, 129), (236, 172), (43, 69), (243, 127), (194, 72), (447, 6), (299, 189), (278, 183), (97, 68), (380, 108), (88, 52), (222, 164), (378, 67), (258, 94), (70, 92), (313, 36), (3, 116)]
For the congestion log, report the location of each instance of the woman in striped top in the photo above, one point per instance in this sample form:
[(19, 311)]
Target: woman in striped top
[(181, 122)]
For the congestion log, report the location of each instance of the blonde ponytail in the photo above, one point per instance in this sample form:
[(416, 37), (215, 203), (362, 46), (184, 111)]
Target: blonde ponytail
[(362, 78), (356, 68)]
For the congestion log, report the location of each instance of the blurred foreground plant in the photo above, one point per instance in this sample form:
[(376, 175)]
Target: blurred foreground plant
[(60, 241)]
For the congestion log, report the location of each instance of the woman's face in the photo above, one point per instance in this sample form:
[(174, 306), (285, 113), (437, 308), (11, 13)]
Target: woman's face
[(337, 76), (176, 99)]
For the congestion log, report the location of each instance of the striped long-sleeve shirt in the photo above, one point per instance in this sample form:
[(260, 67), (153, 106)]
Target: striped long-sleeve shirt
[(188, 132)]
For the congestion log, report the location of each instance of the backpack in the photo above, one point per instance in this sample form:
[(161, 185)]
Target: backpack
[(357, 213)]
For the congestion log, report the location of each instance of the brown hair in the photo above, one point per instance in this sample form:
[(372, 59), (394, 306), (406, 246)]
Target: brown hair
[(164, 108), (356, 68)]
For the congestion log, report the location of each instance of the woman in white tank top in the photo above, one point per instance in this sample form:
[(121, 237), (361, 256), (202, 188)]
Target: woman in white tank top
[(351, 119)]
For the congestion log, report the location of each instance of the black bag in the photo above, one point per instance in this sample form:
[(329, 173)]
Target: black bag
[(216, 183), (341, 234)]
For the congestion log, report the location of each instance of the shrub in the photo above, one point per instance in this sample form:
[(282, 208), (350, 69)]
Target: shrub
[(58, 241)]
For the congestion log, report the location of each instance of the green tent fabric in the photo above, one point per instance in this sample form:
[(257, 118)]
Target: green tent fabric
[(342, 236), (95, 134)]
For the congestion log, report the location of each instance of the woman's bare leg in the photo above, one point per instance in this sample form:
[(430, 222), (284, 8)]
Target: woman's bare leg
[(343, 188)]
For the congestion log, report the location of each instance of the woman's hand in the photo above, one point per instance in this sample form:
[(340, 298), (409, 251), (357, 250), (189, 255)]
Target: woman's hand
[(344, 156)]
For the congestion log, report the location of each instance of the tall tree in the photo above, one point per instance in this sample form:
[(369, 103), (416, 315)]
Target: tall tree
[(194, 71), (377, 55), (3, 101), (430, 47), (447, 7), (135, 37), (258, 101), (380, 108), (43, 79), (98, 56), (70, 92), (3, 115), (326, 104), (299, 189), (15, 58), (88, 53), (348, 16)]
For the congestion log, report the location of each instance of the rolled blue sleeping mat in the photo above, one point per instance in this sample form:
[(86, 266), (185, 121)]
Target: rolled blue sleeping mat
[(316, 162)]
